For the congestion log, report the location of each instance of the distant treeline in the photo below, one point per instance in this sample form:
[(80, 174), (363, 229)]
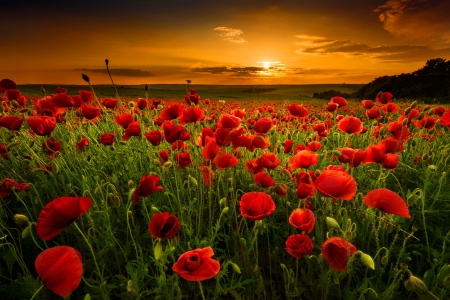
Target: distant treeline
[(431, 83)]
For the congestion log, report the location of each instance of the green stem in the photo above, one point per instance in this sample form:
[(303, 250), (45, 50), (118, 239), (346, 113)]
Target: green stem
[(201, 290), (35, 294)]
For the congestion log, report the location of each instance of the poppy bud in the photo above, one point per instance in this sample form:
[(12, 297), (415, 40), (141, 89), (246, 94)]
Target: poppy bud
[(405, 122), (432, 168), (332, 223), (317, 173), (131, 217), (225, 210), (367, 260), (222, 201), (130, 183), (131, 104), (414, 104), (438, 125), (243, 242), (15, 103), (2, 109), (235, 267), (192, 180), (24, 110), (21, 220), (380, 93), (336, 152), (154, 209), (146, 87), (385, 259), (167, 164), (85, 78), (421, 115), (407, 111), (130, 288), (414, 284), (158, 251), (426, 108), (43, 90), (106, 61)]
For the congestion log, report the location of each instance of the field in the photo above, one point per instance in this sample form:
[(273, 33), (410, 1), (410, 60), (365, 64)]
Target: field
[(175, 197), (212, 92)]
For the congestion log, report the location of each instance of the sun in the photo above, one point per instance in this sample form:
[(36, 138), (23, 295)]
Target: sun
[(266, 64)]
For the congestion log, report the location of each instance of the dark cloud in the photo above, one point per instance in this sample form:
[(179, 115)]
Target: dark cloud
[(121, 72), (248, 71)]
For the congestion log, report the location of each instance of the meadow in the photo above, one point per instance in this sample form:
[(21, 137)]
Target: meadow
[(195, 195)]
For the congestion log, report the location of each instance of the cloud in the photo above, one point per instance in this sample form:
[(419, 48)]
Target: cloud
[(313, 45), (231, 34), (240, 71), (121, 72), (417, 19)]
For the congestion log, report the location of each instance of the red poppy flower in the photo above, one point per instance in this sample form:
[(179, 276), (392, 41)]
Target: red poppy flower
[(142, 103), (207, 175), (134, 129), (390, 108), (211, 149), (197, 265), (107, 138), (399, 131), (124, 119), (336, 252), (7, 84), (147, 186), (350, 125), (192, 97), (297, 110), (206, 132), (445, 118), (86, 96), (314, 146), (51, 147), (4, 151), (426, 122), (336, 184), (340, 101), (60, 213), (42, 125), (163, 225), (254, 166), (81, 144), (60, 269), (183, 160), (263, 125), (439, 111), (288, 144), (332, 107), (373, 113), (225, 160), (302, 219), (171, 112), (256, 205), (298, 245), (387, 201), (368, 104), (12, 94), (11, 122), (8, 184), (173, 132), (228, 121), (264, 180), (163, 156), (154, 137), (61, 100), (351, 156), (305, 190), (110, 102), (191, 115), (270, 160), (304, 159), (383, 98), (90, 112), (390, 161), (281, 190), (240, 113)]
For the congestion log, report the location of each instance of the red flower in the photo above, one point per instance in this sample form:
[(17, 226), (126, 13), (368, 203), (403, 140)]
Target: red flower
[(191, 115), (134, 129), (314, 146), (297, 110), (439, 111), (390, 108), (86, 96), (281, 190), (60, 213), (147, 186), (228, 121), (142, 103), (225, 160), (61, 100), (42, 125), (336, 252), (263, 125), (373, 113), (298, 245), (124, 120), (192, 97), (51, 147), (4, 151), (110, 102), (171, 111), (163, 225), (107, 138), (383, 98), (154, 137), (332, 107), (197, 265), (304, 159), (174, 132), (90, 112), (336, 184), (207, 175), (288, 144), (368, 104), (270, 160), (305, 190), (163, 156), (264, 180), (7, 185), (7, 84), (60, 269), (254, 166), (387, 201), (256, 205), (350, 125), (351, 156), (211, 149), (12, 94), (390, 161), (11, 122), (399, 131), (183, 160), (302, 219), (340, 101), (81, 144)]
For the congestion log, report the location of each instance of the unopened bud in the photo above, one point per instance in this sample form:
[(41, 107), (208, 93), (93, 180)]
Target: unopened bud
[(21, 220), (130, 183), (407, 111), (192, 180), (106, 61), (154, 209), (426, 108), (235, 267), (405, 122), (85, 78), (438, 125), (415, 284), (421, 115), (367, 260), (24, 110), (414, 104), (317, 173), (15, 103), (225, 210), (131, 104), (332, 223), (336, 152), (167, 164), (146, 87), (130, 288), (384, 260), (157, 162), (43, 90), (222, 201)]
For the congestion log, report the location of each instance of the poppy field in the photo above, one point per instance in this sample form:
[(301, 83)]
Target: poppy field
[(148, 198)]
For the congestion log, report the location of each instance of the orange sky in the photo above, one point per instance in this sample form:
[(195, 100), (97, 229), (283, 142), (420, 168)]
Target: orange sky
[(211, 42)]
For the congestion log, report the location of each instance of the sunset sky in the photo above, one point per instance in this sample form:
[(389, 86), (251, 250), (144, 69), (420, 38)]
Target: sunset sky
[(219, 42)]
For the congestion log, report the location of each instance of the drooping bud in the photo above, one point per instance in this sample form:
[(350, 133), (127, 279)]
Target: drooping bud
[(332, 223), (415, 284), (43, 90), (21, 220), (235, 267), (15, 103), (367, 260), (85, 78), (106, 62), (192, 180), (225, 210), (380, 93)]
